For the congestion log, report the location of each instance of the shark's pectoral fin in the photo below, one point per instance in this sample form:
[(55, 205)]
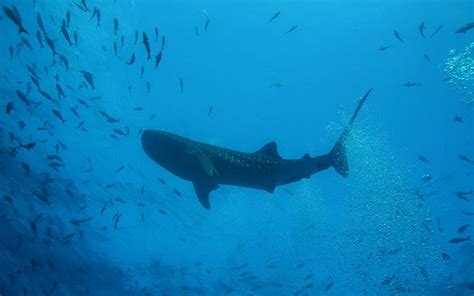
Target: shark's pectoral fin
[(207, 165), (270, 188), (203, 189)]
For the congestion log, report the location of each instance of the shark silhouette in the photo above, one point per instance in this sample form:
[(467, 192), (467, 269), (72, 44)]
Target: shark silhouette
[(208, 166)]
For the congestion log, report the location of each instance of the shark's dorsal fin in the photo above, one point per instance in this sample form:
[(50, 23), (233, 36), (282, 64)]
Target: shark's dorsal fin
[(269, 149), (203, 189)]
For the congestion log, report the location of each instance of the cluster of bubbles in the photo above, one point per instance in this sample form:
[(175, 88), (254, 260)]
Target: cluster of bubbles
[(459, 68)]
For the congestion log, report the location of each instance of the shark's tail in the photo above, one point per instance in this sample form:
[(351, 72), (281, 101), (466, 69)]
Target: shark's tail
[(338, 152)]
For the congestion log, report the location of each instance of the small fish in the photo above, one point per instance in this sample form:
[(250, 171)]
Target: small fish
[(328, 286), (460, 240), (66, 34), (427, 58), (158, 59), (82, 102), (94, 13), (274, 17), (62, 145), (21, 124), (464, 194), (147, 45), (465, 158), (14, 16), (28, 146), (465, 28), (161, 181), (64, 61), (181, 85), (117, 219), (74, 36), (81, 124), (47, 96), (98, 17), (421, 28), (120, 200), (10, 106), (116, 26), (82, 6), (458, 119), (445, 256), (54, 157), (142, 71), (423, 158), (60, 91), (42, 197), (411, 84), (26, 42), (119, 169), (206, 24), (8, 199), (210, 111), (39, 20), (436, 31), (88, 77), (78, 222), (23, 97), (288, 191), (156, 34), (10, 50), (119, 132), (384, 48), (70, 235), (68, 18), (163, 42), (291, 29), (148, 86), (55, 165), (469, 213), (463, 228), (58, 115), (40, 40), (426, 178), (397, 35), (50, 44), (103, 208), (26, 168), (177, 192), (196, 31), (131, 61)]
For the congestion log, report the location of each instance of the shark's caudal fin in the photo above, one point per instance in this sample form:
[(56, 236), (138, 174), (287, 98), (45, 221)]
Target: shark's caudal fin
[(338, 152)]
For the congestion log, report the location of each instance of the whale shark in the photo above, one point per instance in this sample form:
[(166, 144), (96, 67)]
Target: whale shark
[(208, 166)]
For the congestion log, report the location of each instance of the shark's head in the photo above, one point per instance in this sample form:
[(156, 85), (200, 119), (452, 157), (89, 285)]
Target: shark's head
[(159, 146), (168, 150)]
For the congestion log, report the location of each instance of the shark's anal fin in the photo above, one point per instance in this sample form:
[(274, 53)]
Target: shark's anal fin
[(206, 164), (203, 189)]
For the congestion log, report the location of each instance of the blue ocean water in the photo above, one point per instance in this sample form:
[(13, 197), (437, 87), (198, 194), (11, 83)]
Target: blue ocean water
[(86, 212)]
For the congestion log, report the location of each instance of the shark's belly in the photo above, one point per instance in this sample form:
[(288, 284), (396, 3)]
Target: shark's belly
[(253, 175)]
